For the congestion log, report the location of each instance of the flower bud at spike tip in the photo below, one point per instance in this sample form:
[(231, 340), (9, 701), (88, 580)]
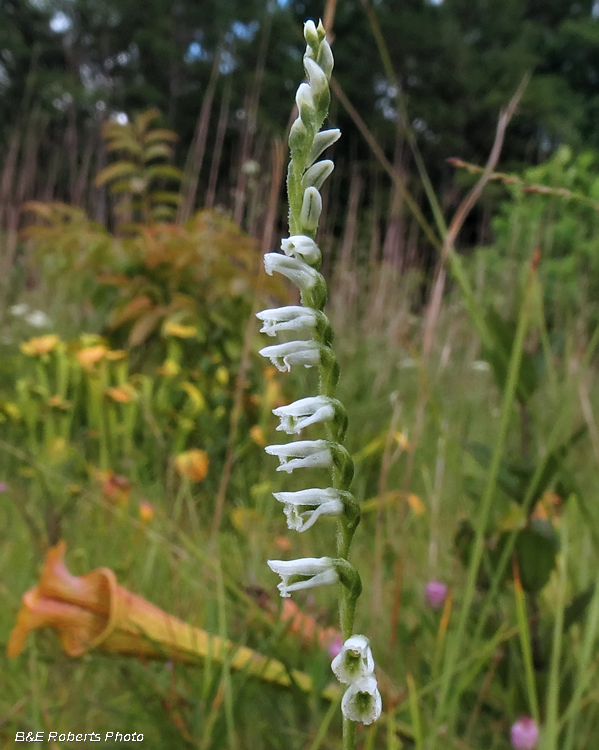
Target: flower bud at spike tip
[(318, 81), (310, 34), (325, 59), (311, 209), (524, 734), (320, 31)]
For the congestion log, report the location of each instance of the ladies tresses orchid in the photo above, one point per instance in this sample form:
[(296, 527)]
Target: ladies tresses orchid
[(306, 353), (307, 411), (354, 662), (362, 701), (303, 454), (303, 508), (311, 284), (313, 571), (302, 320), (300, 264), (302, 247)]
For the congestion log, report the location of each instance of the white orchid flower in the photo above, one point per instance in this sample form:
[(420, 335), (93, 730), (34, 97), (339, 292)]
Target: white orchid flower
[(303, 247), (303, 508), (302, 320), (306, 353), (362, 701), (312, 410), (302, 275), (313, 571), (354, 662), (302, 454)]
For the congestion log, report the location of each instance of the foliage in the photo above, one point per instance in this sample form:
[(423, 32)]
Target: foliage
[(138, 177), (563, 225)]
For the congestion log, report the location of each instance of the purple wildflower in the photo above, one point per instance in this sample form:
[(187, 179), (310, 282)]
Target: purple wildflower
[(436, 593), (524, 734)]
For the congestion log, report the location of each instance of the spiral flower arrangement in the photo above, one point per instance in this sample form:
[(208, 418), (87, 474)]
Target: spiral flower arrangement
[(310, 346)]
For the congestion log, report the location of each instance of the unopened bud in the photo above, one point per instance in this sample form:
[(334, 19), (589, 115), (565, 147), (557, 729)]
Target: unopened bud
[(298, 136), (305, 105), (325, 59), (317, 174), (311, 209), (311, 34), (320, 31), (322, 141)]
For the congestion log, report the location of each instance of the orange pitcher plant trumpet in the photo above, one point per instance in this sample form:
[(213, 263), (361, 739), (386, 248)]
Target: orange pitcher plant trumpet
[(94, 612)]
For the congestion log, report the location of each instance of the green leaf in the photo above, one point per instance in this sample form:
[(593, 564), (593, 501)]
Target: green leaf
[(503, 332), (115, 171), (160, 134), (536, 550), (162, 171), (577, 608), (157, 151), (165, 196)]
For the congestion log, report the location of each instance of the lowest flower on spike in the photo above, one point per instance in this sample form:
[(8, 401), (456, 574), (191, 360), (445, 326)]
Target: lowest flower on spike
[(362, 701)]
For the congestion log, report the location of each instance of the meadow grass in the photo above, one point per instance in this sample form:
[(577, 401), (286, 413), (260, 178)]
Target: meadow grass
[(448, 693)]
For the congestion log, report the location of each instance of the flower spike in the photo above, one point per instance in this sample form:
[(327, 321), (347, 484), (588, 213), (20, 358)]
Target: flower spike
[(300, 263)]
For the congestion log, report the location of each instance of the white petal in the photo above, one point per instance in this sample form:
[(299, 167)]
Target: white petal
[(354, 662), (295, 269), (300, 414), (301, 246), (302, 320), (362, 701), (306, 353), (303, 454), (319, 569)]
